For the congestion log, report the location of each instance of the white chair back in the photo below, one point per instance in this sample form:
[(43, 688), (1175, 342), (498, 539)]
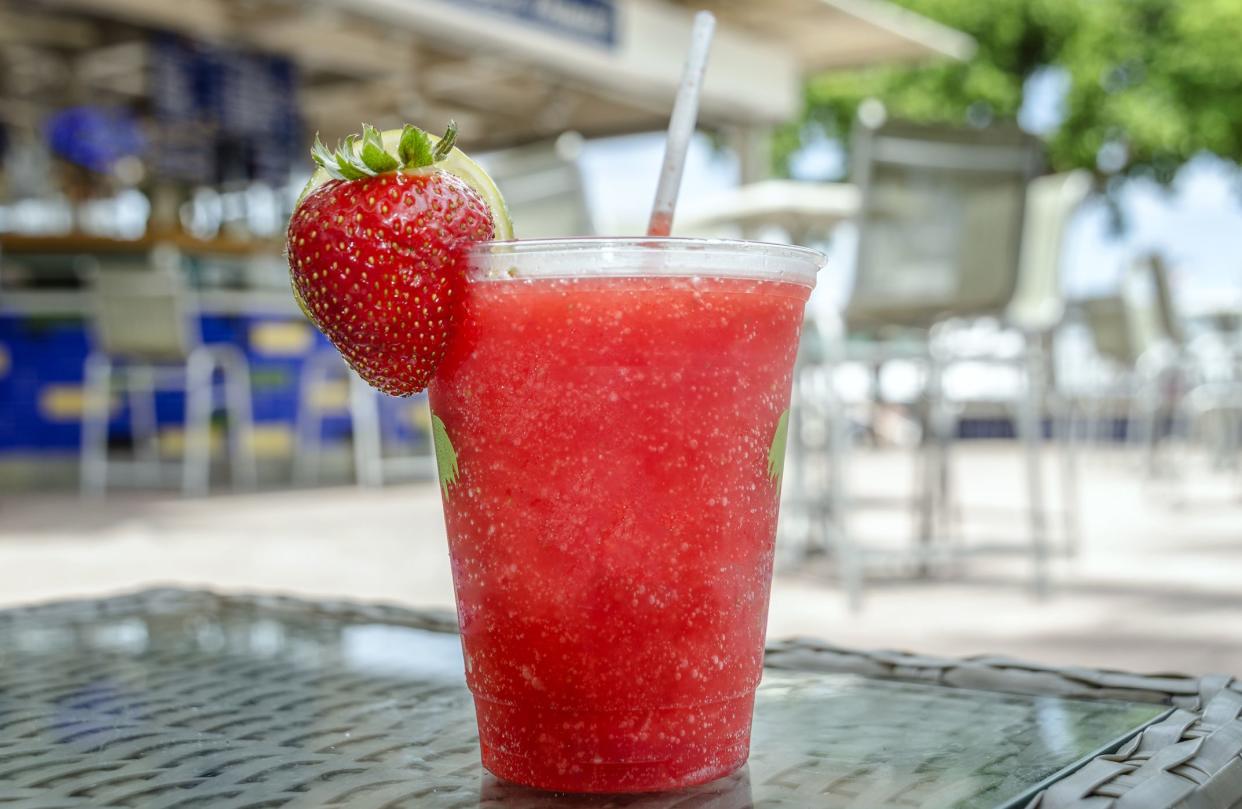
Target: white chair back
[(1150, 312), (1107, 321), (141, 314), (1038, 304), (939, 224)]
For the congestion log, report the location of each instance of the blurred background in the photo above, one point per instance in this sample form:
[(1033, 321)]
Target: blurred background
[(1018, 408)]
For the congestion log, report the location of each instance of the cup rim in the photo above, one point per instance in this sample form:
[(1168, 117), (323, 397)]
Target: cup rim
[(630, 256)]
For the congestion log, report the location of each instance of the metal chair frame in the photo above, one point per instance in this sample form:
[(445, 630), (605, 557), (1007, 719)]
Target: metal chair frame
[(372, 467), (146, 340), (1021, 287)]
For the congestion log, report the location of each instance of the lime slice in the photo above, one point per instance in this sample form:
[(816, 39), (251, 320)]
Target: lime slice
[(458, 163)]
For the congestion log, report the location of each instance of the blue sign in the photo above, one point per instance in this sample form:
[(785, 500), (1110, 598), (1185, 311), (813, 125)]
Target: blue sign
[(94, 137), (222, 113), (592, 21)]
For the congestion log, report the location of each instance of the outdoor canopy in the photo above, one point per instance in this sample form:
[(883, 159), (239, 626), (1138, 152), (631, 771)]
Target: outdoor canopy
[(511, 71)]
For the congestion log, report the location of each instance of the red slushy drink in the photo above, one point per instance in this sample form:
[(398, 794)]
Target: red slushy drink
[(610, 425)]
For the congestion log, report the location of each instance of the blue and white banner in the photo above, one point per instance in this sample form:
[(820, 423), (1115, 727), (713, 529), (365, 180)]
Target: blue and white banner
[(591, 21)]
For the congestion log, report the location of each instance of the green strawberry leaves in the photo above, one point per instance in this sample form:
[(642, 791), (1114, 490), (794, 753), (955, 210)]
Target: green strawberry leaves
[(356, 158), (373, 154), (446, 456), (322, 156), (446, 143), (776, 453), (415, 147), (348, 164)]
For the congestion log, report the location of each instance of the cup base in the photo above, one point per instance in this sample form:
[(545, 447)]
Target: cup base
[(614, 751)]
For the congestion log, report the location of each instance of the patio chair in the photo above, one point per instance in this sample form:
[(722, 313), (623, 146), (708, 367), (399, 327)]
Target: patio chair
[(952, 227), (1175, 389), (1161, 367), (812, 513), (146, 339), (373, 466), (1214, 405), (939, 224), (1110, 373), (1036, 310)]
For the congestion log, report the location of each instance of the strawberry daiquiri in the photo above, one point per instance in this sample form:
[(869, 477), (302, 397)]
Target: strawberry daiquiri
[(609, 419), (611, 501)]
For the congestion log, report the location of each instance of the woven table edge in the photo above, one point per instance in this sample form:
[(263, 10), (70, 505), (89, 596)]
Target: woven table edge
[(1191, 759)]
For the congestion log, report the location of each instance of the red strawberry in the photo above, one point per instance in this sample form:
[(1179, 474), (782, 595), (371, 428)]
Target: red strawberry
[(378, 255)]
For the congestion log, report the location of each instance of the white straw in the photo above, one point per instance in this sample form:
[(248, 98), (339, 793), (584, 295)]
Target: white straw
[(681, 125)]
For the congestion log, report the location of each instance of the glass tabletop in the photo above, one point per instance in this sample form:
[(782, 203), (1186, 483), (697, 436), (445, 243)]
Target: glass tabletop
[(192, 700)]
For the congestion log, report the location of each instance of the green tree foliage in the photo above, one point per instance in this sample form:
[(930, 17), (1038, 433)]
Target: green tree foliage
[(1152, 83)]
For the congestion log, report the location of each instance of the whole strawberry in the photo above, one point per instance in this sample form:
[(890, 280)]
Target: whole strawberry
[(379, 252)]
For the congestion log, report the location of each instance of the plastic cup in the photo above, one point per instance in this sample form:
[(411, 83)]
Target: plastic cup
[(610, 426)]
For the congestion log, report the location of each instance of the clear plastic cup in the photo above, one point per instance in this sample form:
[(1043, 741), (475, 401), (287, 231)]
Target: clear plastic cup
[(610, 426)]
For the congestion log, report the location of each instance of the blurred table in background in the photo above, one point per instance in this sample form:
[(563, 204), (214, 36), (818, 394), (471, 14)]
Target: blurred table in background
[(806, 212)]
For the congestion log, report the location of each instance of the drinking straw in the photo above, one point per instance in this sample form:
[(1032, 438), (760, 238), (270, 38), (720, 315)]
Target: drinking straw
[(681, 125)]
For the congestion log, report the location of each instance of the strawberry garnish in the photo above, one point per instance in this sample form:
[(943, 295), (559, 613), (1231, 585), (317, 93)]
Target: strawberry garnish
[(379, 254)]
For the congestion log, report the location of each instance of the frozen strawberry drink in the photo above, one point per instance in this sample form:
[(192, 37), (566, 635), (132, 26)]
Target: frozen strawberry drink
[(609, 419), (610, 423)]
